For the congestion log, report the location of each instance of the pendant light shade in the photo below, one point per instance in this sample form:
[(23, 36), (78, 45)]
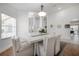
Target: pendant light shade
[(42, 13)]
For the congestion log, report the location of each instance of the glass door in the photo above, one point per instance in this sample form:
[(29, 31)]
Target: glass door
[(75, 31)]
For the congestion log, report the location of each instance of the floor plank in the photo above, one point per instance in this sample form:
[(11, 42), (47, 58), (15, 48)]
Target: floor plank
[(71, 50), (7, 52)]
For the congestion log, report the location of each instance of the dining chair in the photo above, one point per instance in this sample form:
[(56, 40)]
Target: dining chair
[(57, 45), (21, 49), (47, 47)]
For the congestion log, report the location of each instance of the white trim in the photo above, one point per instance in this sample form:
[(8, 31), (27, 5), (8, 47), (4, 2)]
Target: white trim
[(5, 38)]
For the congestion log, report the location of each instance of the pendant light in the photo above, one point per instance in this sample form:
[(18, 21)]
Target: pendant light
[(42, 13)]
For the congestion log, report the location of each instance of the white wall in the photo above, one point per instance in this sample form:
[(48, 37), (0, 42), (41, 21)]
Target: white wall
[(61, 18), (0, 24), (4, 8), (5, 44)]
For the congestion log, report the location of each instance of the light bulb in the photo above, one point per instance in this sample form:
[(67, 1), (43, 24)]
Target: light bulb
[(42, 13)]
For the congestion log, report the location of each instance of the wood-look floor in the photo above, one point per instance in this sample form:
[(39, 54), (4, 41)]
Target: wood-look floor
[(7, 52), (69, 50)]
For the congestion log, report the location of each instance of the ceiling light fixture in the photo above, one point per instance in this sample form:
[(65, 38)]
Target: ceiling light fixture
[(42, 13)]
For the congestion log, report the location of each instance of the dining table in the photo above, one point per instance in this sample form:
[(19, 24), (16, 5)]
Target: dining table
[(35, 40)]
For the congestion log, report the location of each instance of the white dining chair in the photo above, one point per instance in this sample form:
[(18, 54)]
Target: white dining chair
[(20, 49), (47, 48), (57, 45)]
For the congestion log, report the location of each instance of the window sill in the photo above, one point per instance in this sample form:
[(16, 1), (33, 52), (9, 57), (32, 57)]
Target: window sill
[(5, 38)]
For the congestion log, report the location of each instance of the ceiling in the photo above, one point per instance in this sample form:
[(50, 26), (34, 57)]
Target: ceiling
[(48, 7)]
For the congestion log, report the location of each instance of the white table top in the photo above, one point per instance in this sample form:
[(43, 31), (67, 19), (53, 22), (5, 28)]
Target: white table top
[(70, 41), (36, 38), (40, 38)]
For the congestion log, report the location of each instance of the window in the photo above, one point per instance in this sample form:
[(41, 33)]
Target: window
[(36, 22), (8, 26)]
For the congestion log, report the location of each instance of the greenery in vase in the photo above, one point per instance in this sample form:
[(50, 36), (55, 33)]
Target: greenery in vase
[(43, 30)]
